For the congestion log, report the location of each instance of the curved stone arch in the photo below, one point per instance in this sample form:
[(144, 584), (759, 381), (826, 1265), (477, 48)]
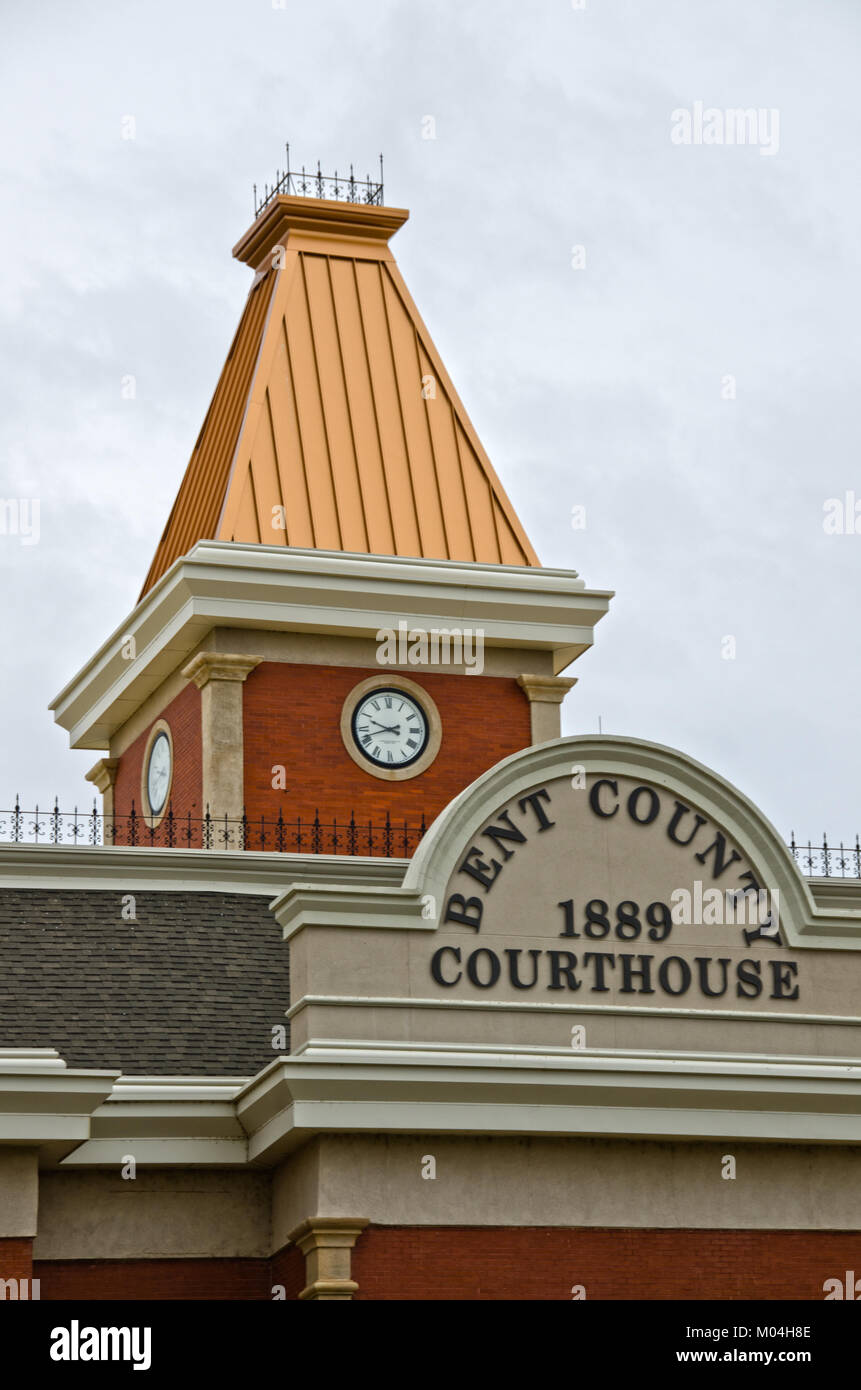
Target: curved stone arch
[(802, 921)]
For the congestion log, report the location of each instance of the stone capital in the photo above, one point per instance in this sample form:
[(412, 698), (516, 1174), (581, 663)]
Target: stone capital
[(327, 1242), (549, 690), (545, 694), (103, 774), (219, 666)]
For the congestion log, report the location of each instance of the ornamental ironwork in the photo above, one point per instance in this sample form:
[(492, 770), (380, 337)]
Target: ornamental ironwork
[(293, 183), (388, 838)]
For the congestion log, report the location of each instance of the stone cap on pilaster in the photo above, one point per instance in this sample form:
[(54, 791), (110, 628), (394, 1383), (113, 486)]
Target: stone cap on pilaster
[(326, 1243), (219, 666), (548, 690), (103, 774)]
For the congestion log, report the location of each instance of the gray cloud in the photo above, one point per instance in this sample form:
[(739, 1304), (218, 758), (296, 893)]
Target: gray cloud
[(599, 386)]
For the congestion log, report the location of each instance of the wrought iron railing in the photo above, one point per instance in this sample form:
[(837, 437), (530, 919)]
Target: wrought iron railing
[(298, 835), (320, 185), (291, 835), (827, 861)]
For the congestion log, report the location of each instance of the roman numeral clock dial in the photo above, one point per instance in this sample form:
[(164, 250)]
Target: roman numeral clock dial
[(390, 728)]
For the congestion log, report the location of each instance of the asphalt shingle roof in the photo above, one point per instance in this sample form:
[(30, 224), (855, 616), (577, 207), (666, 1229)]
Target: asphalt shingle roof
[(192, 986)]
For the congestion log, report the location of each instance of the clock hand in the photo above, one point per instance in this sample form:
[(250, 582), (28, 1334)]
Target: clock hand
[(388, 728)]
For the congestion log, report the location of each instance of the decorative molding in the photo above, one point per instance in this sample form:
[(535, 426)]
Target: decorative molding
[(350, 1090), (359, 906), (46, 1106), (550, 690), (219, 666), (327, 1244), (352, 1001), (222, 583), (392, 681), (265, 874), (103, 774)]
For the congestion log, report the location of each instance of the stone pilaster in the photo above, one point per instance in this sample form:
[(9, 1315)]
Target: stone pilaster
[(219, 676), (545, 695), (327, 1243)]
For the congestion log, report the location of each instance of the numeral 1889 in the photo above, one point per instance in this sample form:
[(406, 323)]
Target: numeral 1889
[(626, 924)]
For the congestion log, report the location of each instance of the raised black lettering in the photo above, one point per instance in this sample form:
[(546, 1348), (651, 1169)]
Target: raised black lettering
[(557, 970), (653, 807), (465, 910), (721, 863), (595, 797), (472, 968), (509, 831), (479, 870), (782, 972), (514, 971), (748, 983), (682, 810), (644, 973), (684, 973), (600, 958), (702, 964), (534, 800), (436, 965)]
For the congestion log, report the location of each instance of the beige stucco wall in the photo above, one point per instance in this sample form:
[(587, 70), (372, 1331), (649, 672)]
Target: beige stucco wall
[(578, 1182), (19, 1192), (158, 1214)]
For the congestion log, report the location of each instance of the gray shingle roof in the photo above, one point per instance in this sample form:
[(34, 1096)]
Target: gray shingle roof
[(193, 986)]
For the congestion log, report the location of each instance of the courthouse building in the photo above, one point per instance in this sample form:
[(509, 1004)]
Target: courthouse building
[(362, 982)]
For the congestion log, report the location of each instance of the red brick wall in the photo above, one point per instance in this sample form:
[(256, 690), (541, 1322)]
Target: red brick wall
[(153, 1279), (169, 1279), (460, 1263), (186, 794), (16, 1258), (546, 1262), (288, 1268), (292, 716)]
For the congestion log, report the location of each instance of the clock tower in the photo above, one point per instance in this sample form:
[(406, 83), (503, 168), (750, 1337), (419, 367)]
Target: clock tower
[(344, 622)]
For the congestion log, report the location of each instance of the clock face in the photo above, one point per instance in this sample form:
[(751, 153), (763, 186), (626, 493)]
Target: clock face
[(158, 773), (390, 728)]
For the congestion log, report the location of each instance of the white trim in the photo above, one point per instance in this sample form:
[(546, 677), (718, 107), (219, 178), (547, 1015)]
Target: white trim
[(344, 1090), (522, 1006), (283, 589), (264, 874)]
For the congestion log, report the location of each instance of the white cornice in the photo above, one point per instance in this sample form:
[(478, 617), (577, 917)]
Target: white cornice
[(266, 874), (414, 1090), (402, 1088), (166, 1121), (275, 588), (46, 1106)]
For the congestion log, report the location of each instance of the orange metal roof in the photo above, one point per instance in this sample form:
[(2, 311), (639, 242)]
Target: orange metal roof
[(334, 424)]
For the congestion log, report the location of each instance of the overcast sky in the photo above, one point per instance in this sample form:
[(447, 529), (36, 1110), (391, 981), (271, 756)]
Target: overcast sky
[(689, 377)]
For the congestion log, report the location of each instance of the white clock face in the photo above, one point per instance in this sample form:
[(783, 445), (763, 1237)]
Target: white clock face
[(158, 773), (390, 728)]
